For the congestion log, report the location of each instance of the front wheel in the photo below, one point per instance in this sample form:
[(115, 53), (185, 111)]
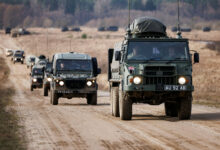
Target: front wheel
[(115, 101), (54, 98), (92, 99), (125, 104), (171, 109), (185, 108), (32, 89)]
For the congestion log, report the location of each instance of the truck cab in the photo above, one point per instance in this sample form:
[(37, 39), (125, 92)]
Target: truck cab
[(36, 77), (74, 75), (149, 67)]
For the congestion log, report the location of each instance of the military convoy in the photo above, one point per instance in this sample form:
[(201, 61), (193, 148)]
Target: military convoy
[(150, 67), (74, 75)]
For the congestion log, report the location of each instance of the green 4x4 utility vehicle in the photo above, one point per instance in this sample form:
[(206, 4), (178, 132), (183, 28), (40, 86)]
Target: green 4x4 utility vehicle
[(36, 77), (149, 67), (74, 75)]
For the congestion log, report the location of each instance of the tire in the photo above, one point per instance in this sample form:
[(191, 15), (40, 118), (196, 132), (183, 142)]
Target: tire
[(111, 101), (171, 109), (185, 108), (14, 62), (45, 90), (125, 104), (22, 62), (92, 99), (115, 101), (32, 89), (54, 98)]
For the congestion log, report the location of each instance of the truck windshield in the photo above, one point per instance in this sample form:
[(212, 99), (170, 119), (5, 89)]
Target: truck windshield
[(48, 67), (18, 55), (37, 71), (139, 51), (74, 65)]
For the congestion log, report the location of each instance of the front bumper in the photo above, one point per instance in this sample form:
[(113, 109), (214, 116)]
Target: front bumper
[(75, 91)]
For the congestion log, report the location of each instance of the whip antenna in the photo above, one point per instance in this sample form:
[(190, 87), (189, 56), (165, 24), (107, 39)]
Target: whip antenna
[(178, 25)]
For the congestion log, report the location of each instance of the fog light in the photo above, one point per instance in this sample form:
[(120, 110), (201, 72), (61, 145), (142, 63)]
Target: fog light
[(137, 80), (89, 83), (61, 83), (182, 80)]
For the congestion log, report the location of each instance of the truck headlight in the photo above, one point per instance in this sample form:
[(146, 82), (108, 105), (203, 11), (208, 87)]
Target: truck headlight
[(137, 80), (34, 80), (61, 83), (182, 80), (49, 79), (89, 83)]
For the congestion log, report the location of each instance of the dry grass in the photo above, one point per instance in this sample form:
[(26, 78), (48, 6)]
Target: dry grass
[(11, 136), (205, 74)]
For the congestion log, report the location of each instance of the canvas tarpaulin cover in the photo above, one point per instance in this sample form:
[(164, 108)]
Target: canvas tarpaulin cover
[(147, 25)]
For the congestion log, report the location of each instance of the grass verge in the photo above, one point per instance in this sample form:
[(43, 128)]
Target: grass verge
[(10, 131)]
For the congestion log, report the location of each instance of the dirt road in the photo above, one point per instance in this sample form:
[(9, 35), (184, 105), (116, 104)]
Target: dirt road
[(74, 125)]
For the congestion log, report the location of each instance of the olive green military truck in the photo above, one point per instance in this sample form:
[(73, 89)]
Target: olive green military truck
[(74, 75), (150, 67)]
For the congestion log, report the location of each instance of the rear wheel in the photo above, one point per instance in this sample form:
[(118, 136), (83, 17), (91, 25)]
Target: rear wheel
[(115, 101), (125, 104), (32, 88), (185, 108), (171, 109), (92, 99), (45, 90), (54, 98)]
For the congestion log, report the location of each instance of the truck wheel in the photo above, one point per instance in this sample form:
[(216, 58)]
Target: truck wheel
[(185, 108), (171, 109), (32, 89), (14, 62), (22, 62), (45, 90), (115, 101), (111, 101), (125, 104), (92, 99), (53, 98)]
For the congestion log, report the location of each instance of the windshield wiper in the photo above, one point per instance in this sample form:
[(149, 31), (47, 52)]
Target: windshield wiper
[(178, 58)]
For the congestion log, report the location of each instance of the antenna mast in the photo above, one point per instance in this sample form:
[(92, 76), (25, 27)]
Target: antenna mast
[(178, 25)]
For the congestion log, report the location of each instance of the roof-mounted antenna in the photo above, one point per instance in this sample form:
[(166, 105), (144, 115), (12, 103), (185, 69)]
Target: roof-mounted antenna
[(129, 19), (179, 36)]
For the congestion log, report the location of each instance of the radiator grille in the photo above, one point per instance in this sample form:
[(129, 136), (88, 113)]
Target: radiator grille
[(160, 80), (75, 84)]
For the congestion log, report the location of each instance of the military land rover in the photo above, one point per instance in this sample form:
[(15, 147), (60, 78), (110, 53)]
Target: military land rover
[(47, 78), (74, 75), (18, 56), (36, 77), (150, 67)]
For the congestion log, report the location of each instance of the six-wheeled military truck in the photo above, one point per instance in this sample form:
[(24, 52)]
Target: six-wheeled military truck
[(149, 67), (47, 78), (36, 77), (18, 56), (74, 75)]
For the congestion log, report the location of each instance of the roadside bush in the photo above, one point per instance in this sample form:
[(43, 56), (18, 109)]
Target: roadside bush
[(84, 36)]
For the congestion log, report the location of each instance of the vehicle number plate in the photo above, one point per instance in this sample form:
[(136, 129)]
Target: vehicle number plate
[(175, 88)]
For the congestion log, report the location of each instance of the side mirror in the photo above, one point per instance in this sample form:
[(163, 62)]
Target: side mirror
[(196, 57), (117, 55), (99, 70)]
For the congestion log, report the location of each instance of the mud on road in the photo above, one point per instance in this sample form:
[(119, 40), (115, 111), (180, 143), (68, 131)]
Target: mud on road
[(74, 125)]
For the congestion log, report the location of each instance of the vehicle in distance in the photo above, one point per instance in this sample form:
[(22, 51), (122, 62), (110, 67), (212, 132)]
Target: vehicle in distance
[(30, 61), (18, 56), (112, 28), (36, 77), (7, 30), (74, 75), (47, 78), (150, 67), (8, 52)]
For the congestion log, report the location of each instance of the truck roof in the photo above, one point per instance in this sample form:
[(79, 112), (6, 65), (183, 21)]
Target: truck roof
[(72, 55)]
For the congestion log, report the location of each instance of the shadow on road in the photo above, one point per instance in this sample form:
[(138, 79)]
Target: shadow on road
[(153, 117), (206, 116), (83, 104)]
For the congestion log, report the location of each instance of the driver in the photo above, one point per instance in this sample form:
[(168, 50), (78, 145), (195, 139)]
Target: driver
[(136, 53), (61, 65)]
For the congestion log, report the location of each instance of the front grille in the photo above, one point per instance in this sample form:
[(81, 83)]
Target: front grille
[(159, 70), (160, 80), (160, 75), (75, 84), (39, 80)]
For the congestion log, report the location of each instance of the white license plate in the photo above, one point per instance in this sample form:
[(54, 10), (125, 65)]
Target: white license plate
[(175, 88)]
